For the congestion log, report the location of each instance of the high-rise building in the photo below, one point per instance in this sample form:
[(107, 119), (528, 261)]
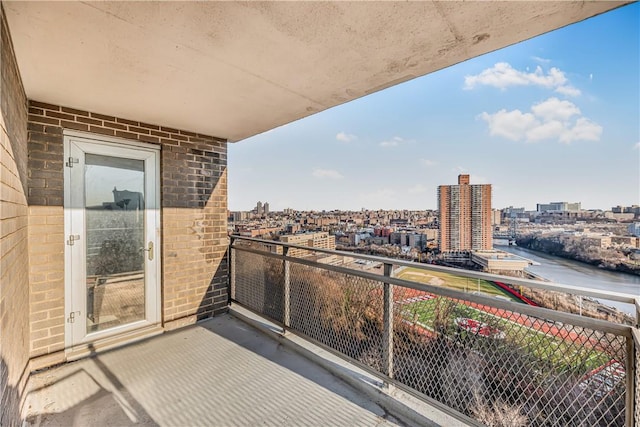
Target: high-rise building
[(259, 208), (265, 208), (496, 217), (465, 216)]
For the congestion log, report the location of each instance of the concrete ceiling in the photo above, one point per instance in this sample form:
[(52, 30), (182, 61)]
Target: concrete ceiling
[(236, 69)]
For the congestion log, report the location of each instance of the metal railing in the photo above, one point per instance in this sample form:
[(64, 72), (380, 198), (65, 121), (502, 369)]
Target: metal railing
[(487, 360)]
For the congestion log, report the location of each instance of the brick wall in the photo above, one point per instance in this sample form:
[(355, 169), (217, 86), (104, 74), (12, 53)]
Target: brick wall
[(194, 208), (46, 237), (14, 285)]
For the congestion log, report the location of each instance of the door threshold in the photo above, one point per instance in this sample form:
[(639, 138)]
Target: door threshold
[(109, 343)]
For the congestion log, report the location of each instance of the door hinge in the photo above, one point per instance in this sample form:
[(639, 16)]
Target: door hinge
[(71, 161), (72, 239), (72, 316)]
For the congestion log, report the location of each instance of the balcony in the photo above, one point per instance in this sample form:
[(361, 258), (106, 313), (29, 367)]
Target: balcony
[(363, 343), (219, 372)]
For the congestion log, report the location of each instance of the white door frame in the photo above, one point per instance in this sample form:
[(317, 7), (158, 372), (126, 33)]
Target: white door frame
[(74, 224)]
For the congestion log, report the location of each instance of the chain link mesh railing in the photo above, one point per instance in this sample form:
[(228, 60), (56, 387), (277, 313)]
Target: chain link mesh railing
[(340, 311), (506, 368), (636, 337), (259, 283), (497, 365)]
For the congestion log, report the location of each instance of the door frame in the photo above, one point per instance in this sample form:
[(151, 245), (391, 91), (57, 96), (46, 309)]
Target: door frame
[(100, 144)]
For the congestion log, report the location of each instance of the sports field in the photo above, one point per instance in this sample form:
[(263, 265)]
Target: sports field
[(564, 353), (452, 281)]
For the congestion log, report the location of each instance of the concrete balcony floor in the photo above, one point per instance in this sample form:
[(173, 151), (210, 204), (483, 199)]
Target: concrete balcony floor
[(221, 372)]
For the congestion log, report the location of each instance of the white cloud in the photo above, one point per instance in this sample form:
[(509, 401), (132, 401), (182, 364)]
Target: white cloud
[(417, 189), (583, 130), (427, 162), (512, 125), (459, 169), (568, 90), (502, 75), (541, 60), (393, 142), (326, 173), (591, 77), (549, 119), (543, 131), (637, 145), (555, 109), (346, 137)]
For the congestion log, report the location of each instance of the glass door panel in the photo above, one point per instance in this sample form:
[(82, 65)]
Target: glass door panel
[(115, 241)]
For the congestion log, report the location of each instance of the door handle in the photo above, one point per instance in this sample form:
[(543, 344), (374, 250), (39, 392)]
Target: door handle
[(149, 251)]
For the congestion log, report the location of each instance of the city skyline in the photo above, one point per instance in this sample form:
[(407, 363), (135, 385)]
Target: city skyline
[(552, 118)]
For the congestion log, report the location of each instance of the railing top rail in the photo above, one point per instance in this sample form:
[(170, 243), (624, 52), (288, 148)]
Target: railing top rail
[(602, 325), (558, 287)]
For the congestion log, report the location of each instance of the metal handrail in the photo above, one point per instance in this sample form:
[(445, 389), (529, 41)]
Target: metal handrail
[(538, 284), (576, 319)]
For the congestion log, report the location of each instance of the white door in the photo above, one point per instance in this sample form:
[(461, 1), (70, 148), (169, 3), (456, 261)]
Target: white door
[(112, 226)]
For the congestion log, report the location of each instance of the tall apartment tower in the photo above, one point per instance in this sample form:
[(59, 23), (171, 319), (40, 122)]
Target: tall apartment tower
[(465, 216)]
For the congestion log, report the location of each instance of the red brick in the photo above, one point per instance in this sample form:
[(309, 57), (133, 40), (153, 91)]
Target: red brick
[(170, 130), (74, 125), (127, 135), (148, 126), (114, 125), (41, 119), (74, 111), (63, 116), (160, 134), (103, 117), (89, 121), (44, 105), (101, 130), (127, 122), (35, 127), (138, 130), (184, 132), (148, 138)]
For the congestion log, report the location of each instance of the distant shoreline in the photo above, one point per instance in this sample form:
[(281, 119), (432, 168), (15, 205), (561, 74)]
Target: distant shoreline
[(556, 249)]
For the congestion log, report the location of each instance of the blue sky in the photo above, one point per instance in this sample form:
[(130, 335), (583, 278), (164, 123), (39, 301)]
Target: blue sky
[(555, 118)]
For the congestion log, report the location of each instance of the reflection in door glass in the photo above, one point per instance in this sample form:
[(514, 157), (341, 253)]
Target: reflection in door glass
[(114, 208)]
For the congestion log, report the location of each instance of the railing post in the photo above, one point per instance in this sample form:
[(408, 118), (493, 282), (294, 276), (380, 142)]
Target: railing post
[(286, 291), (387, 334), (631, 390), (232, 271)]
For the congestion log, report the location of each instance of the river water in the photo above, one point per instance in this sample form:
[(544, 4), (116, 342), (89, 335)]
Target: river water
[(569, 272)]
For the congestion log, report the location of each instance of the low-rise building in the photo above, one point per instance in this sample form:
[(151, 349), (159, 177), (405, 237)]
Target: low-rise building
[(497, 261), (559, 207), (629, 241), (602, 242), (321, 240)]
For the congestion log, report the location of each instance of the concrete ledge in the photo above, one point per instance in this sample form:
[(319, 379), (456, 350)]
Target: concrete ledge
[(398, 403)]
